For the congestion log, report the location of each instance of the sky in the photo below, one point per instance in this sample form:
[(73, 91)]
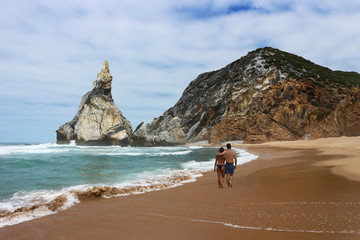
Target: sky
[(51, 51)]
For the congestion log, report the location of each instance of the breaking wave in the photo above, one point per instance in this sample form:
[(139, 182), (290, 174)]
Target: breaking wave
[(24, 206), (148, 154), (32, 149)]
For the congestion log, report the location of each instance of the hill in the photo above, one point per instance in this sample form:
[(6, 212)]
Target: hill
[(267, 95)]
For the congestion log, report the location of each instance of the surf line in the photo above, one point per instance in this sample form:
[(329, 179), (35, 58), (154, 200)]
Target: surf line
[(256, 228)]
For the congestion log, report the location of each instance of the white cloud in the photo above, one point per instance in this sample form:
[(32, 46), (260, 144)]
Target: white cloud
[(51, 51)]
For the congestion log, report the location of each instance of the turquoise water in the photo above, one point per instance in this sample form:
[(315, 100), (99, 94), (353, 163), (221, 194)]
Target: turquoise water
[(36, 174)]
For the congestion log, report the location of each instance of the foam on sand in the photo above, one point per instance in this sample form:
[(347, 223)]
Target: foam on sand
[(227, 224), (27, 206)]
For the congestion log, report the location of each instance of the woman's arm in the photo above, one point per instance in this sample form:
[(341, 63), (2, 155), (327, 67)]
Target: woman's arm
[(216, 160)]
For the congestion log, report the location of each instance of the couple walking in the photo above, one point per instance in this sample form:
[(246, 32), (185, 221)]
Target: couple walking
[(224, 164)]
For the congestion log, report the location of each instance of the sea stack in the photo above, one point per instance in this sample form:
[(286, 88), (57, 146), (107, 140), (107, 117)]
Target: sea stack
[(98, 121)]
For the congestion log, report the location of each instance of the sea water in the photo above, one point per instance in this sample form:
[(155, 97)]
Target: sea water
[(41, 179)]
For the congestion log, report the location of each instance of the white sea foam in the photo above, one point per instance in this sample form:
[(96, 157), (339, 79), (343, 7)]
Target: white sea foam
[(21, 200), (271, 229), (47, 148), (149, 181), (195, 147), (244, 156), (31, 149), (145, 153), (203, 166), (28, 199), (23, 217)]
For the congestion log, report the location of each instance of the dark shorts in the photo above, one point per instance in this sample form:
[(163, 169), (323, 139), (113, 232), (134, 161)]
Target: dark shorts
[(229, 169)]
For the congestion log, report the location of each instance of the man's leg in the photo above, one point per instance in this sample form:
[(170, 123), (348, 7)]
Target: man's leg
[(228, 181), (229, 175)]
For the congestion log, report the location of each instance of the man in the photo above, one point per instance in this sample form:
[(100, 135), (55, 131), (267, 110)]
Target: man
[(230, 157)]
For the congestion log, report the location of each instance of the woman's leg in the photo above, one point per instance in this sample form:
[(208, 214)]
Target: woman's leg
[(222, 176), (220, 181)]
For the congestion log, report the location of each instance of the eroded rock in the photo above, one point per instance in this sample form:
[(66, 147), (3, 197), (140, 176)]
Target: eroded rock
[(98, 121)]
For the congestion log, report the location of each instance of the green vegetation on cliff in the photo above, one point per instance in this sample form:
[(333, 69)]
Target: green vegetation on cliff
[(298, 67)]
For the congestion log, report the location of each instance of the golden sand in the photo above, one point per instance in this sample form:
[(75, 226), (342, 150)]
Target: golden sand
[(347, 148)]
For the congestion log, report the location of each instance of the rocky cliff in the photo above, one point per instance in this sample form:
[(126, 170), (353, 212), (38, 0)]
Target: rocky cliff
[(267, 95), (98, 121)]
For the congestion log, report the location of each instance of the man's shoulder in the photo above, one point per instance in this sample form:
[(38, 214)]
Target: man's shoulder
[(232, 152)]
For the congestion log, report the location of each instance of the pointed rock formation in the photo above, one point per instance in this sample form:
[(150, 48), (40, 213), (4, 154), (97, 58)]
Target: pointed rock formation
[(98, 121), (267, 95)]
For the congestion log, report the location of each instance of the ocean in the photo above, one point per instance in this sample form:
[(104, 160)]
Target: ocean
[(42, 179)]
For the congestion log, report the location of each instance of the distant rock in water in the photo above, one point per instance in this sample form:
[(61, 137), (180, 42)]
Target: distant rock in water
[(267, 95), (98, 121)]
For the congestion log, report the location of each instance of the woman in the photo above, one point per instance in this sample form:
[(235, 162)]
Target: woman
[(220, 166)]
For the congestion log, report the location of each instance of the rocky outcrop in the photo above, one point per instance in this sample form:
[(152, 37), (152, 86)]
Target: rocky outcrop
[(267, 95), (98, 121), (167, 132)]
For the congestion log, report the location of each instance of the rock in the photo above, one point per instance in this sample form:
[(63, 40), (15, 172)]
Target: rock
[(168, 133), (98, 121), (267, 95)]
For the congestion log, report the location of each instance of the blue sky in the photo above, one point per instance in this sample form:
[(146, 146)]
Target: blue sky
[(51, 51)]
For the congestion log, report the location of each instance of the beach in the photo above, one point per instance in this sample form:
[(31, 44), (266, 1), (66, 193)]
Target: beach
[(294, 190)]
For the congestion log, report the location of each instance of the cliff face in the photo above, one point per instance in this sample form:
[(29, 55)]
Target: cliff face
[(267, 95), (98, 121)]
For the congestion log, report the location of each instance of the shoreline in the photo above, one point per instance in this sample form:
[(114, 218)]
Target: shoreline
[(290, 192), (65, 198)]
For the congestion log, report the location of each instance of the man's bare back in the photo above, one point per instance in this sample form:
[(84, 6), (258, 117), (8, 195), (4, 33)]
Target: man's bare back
[(230, 156)]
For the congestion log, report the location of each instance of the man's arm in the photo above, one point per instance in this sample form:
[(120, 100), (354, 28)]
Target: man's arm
[(226, 156)]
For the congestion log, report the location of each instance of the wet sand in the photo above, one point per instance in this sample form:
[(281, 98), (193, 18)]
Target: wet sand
[(290, 192)]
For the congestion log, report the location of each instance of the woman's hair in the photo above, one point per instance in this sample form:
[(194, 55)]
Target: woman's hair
[(221, 149)]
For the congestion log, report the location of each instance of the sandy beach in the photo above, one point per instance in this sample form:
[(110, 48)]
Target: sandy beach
[(295, 190)]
